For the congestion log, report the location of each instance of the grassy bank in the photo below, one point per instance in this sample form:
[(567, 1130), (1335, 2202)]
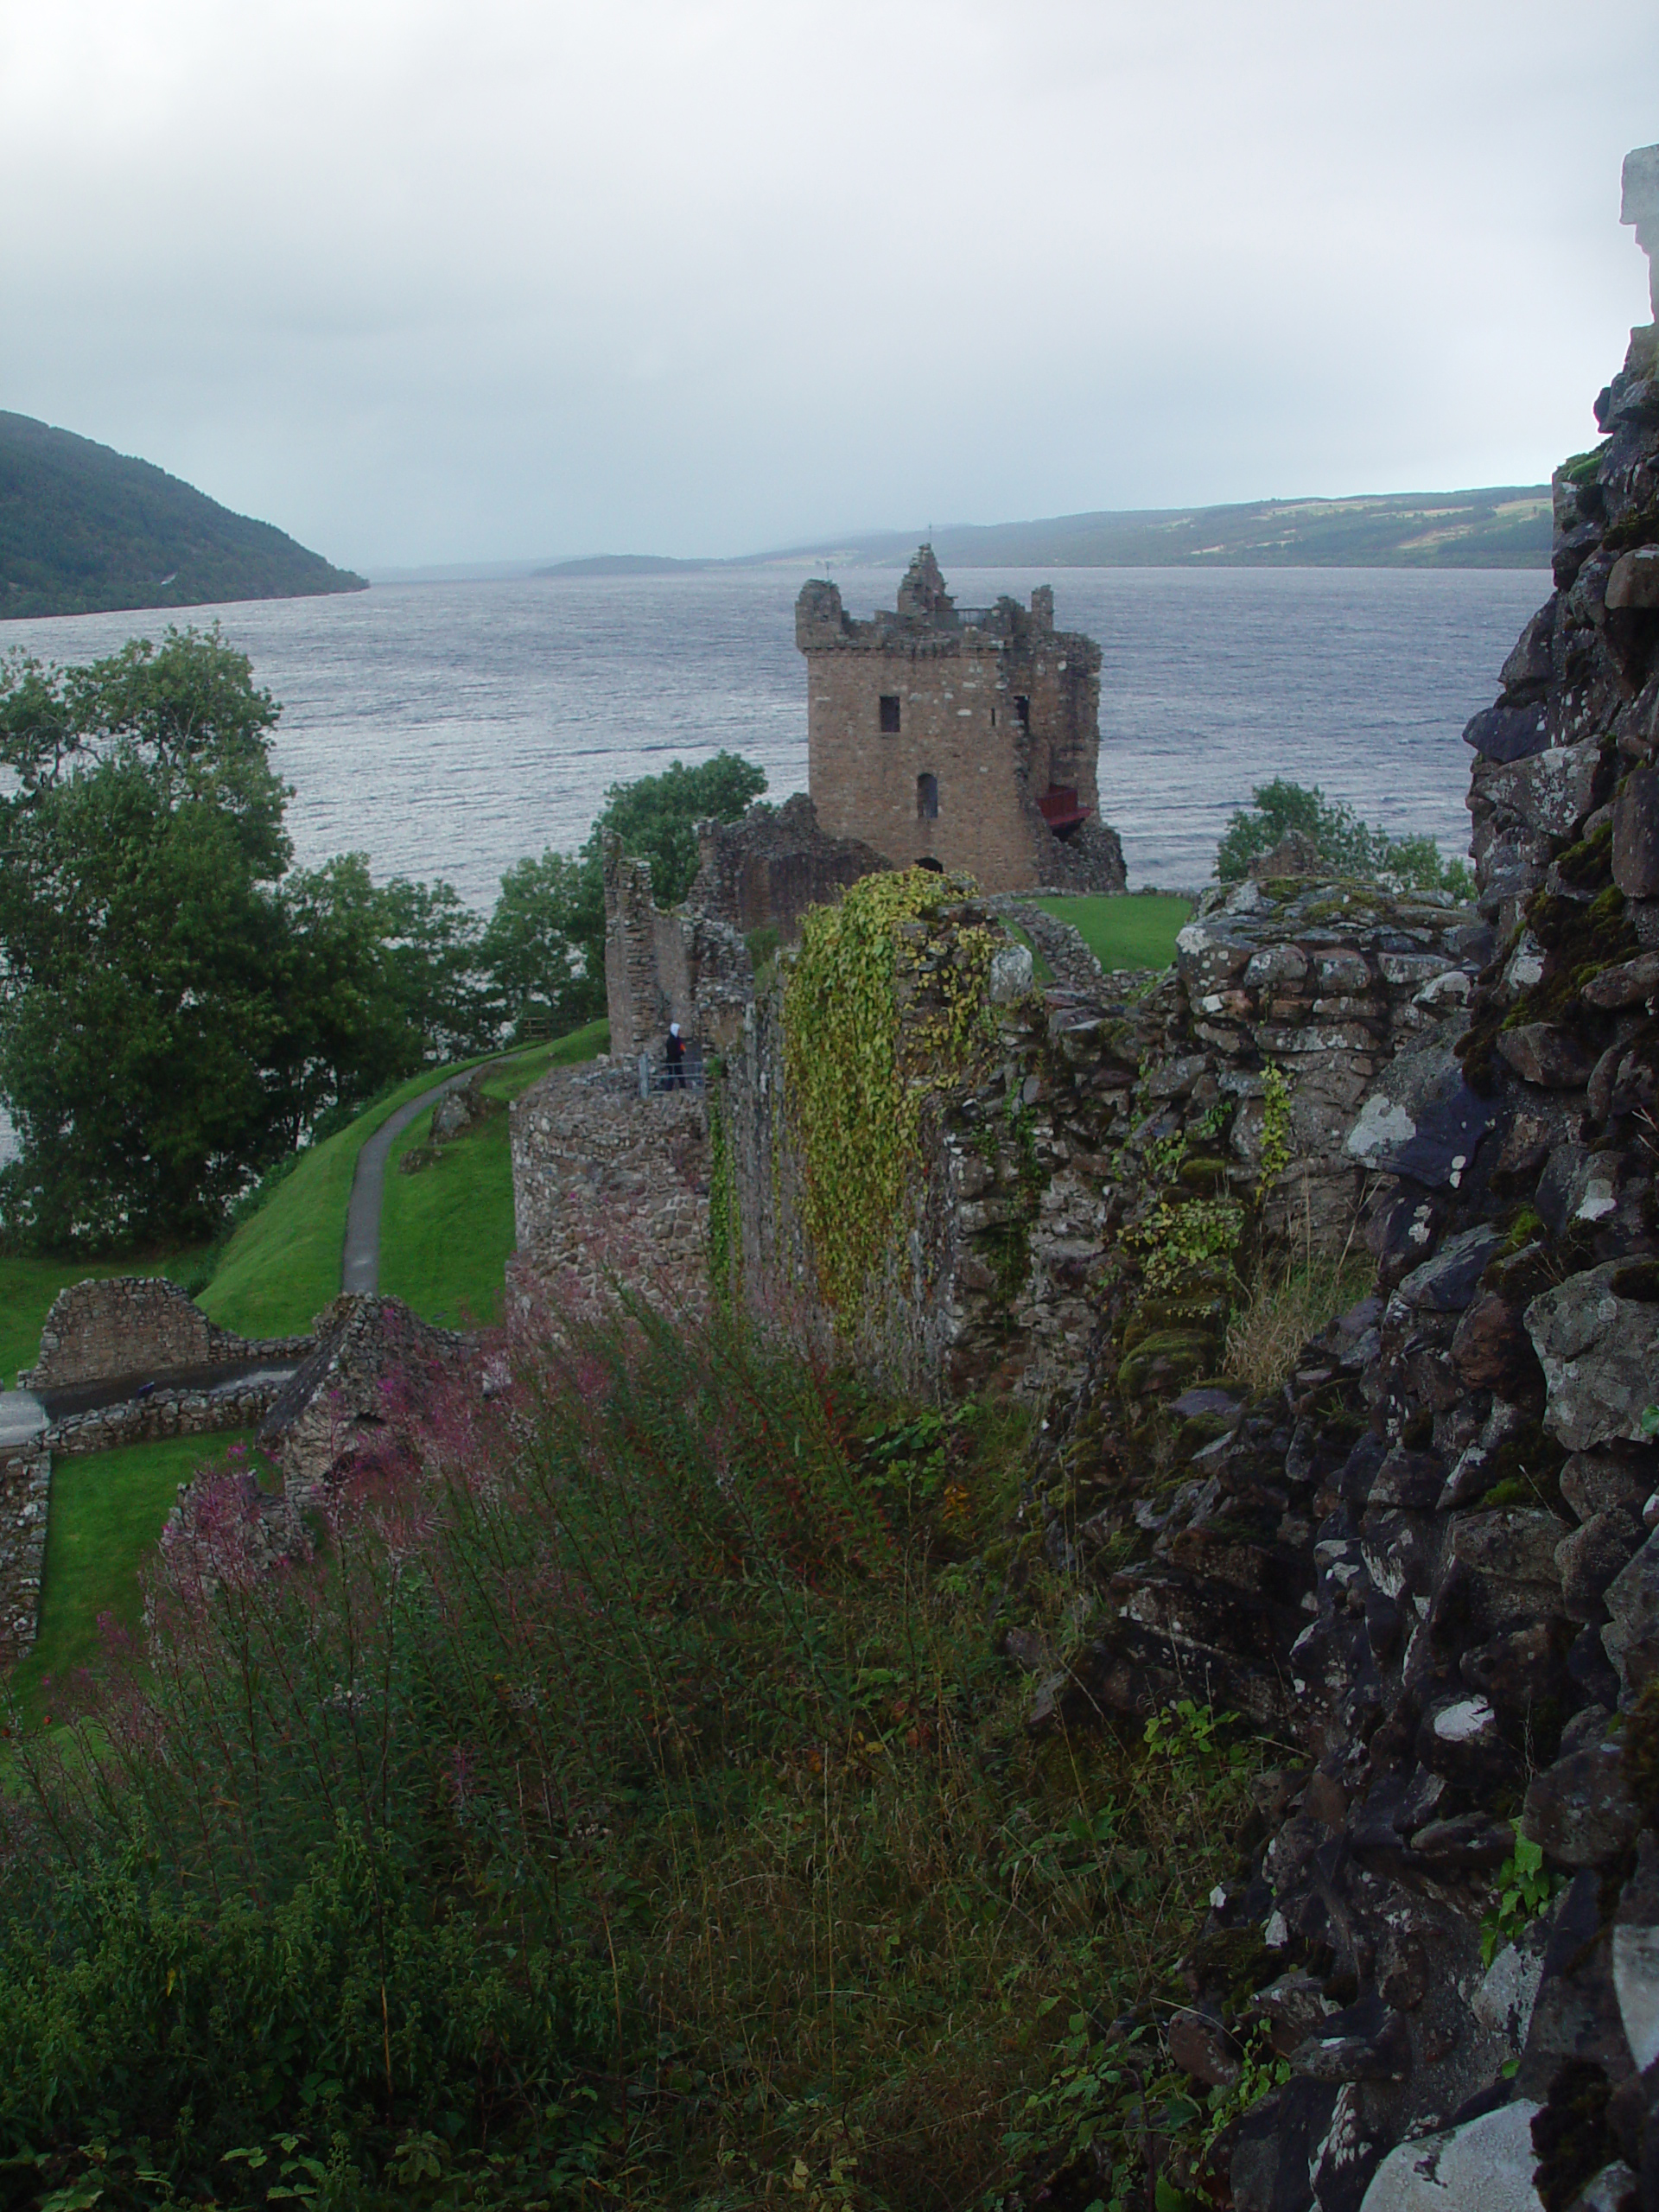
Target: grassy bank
[(108, 1508), (1136, 931), (447, 1231)]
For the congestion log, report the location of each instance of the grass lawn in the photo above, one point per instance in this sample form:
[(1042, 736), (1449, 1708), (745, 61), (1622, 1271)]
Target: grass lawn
[(446, 1232), (1135, 931), (283, 1266), (29, 1286), (107, 1510)]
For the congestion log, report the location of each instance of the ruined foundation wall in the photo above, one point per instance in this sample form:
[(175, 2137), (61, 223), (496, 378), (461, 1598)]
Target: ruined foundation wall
[(114, 1325)]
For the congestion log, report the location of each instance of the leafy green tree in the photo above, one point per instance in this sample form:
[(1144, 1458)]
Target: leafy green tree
[(655, 816), (538, 946), (139, 935), (1351, 847), (173, 1014), (546, 938), (377, 978)]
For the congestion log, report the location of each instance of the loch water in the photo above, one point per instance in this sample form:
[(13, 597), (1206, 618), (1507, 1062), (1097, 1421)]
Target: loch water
[(448, 730)]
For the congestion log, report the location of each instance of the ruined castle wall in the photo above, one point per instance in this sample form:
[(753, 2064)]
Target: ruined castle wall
[(766, 870), (632, 997), (679, 966), (115, 1326), (1059, 673), (1034, 1172), (163, 1414), (610, 1188)]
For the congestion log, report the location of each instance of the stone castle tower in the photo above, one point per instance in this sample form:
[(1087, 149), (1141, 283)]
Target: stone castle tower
[(966, 735)]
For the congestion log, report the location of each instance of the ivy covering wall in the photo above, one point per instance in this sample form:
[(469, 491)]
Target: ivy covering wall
[(859, 1078)]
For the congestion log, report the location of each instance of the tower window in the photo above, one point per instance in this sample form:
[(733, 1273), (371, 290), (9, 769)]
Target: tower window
[(927, 798), (1022, 711), (889, 714)]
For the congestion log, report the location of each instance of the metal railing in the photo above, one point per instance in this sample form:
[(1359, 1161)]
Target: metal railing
[(658, 1074)]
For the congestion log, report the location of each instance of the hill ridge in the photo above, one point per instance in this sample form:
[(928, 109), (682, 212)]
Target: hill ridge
[(84, 529)]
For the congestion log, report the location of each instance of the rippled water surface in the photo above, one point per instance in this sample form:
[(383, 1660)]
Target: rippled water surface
[(448, 730)]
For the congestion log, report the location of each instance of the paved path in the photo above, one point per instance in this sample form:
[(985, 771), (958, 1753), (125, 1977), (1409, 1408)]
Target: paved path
[(22, 1415), (360, 1262)]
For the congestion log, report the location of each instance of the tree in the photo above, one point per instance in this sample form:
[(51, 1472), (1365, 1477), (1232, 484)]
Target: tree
[(139, 937), (537, 948), (1350, 846), (377, 978), (546, 938), (173, 1013), (655, 816)]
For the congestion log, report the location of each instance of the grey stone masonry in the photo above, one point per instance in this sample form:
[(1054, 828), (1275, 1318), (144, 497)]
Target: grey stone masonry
[(678, 965), (114, 1325), (610, 1188), (164, 1413), (25, 1491), (764, 871), (1031, 1173), (373, 1358)]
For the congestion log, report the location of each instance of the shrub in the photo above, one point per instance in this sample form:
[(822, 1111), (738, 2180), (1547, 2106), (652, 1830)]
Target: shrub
[(1350, 846)]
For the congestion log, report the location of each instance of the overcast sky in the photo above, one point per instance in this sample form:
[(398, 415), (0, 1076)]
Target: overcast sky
[(463, 280)]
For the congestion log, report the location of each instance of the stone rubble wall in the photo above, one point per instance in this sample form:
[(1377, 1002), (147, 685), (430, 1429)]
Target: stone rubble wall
[(1429, 1565), (987, 1274), (374, 1359), (114, 1325), (764, 871), (609, 1187), (25, 1492), (1033, 1170), (163, 1413)]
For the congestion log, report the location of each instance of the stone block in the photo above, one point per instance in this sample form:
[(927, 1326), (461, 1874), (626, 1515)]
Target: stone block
[(1635, 834), (1487, 2163), (1579, 1810), (1633, 581), (1600, 1352), (1630, 1638), (1505, 734), (1545, 1053)]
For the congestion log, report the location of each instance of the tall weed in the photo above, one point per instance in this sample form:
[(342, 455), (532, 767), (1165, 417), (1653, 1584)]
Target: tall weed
[(618, 1800)]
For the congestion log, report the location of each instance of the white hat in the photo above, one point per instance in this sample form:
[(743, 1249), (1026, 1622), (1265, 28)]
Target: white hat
[(673, 1028)]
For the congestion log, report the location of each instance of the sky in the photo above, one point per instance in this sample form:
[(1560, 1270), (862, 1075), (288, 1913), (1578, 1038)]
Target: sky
[(428, 281)]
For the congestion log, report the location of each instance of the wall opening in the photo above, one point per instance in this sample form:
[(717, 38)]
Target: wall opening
[(889, 714), (1022, 711), (927, 796)]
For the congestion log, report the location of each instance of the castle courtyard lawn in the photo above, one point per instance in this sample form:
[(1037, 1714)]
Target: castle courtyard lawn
[(447, 1231), (1137, 930), (108, 1508)]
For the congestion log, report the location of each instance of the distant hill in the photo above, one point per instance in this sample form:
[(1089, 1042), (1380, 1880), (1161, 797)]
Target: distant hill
[(1506, 526), (84, 531), (623, 564)]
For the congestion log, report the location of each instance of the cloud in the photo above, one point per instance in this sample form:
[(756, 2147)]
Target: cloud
[(448, 280)]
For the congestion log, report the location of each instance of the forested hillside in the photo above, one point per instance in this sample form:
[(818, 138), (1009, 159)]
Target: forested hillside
[(84, 530)]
